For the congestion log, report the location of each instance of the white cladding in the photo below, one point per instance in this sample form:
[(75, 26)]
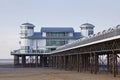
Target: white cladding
[(44, 34), (87, 29), (71, 40), (39, 44), (84, 32), (27, 30), (71, 34), (26, 42)]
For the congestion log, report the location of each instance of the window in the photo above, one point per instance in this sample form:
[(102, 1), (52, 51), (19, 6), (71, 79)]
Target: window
[(57, 34), (90, 32), (25, 48), (29, 27), (56, 42), (23, 33)]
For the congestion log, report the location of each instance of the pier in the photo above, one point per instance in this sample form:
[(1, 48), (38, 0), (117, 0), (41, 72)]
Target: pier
[(86, 54), (31, 60)]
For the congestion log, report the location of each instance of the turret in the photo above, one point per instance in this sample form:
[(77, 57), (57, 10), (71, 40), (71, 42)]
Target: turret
[(87, 29), (26, 30)]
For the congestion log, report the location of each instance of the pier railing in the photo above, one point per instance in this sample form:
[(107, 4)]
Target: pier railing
[(109, 34)]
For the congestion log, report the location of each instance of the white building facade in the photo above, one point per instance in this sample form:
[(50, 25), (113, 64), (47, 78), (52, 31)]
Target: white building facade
[(49, 38)]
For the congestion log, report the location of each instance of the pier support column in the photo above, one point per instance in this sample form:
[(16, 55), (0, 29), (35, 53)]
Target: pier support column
[(114, 64), (36, 61), (91, 62), (95, 63), (64, 62), (78, 62), (23, 60), (108, 62), (41, 61), (16, 60)]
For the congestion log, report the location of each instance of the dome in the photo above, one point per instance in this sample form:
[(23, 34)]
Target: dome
[(27, 25), (87, 25)]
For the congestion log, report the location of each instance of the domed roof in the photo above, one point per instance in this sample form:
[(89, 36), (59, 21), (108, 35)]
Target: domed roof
[(87, 25), (27, 25)]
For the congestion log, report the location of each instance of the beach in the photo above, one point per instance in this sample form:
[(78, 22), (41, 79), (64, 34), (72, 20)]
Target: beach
[(11, 73)]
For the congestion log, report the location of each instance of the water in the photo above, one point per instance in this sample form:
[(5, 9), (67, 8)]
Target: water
[(6, 60)]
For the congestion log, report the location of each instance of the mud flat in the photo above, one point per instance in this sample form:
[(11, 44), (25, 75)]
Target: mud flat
[(8, 72)]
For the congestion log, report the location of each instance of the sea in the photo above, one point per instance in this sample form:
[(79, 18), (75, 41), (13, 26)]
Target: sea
[(6, 60)]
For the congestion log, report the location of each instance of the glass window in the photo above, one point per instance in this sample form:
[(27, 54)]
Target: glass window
[(90, 32), (57, 34), (29, 27), (56, 42)]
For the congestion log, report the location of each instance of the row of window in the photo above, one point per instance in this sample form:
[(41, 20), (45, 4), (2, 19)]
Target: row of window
[(90, 32), (57, 34), (22, 27), (25, 47), (54, 42)]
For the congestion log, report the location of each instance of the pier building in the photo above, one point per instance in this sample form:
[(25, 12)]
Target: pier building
[(35, 47), (91, 52)]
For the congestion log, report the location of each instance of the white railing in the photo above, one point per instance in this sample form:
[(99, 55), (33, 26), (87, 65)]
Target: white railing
[(111, 32)]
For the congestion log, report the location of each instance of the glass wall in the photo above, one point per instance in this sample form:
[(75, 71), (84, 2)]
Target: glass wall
[(57, 34), (90, 32), (56, 42)]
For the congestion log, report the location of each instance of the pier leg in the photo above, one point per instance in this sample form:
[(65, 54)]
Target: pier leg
[(78, 62), (96, 63), (108, 62), (114, 64), (36, 61), (16, 60), (23, 60), (91, 62)]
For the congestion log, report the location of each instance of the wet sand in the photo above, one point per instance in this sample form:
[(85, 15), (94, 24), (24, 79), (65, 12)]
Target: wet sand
[(11, 73)]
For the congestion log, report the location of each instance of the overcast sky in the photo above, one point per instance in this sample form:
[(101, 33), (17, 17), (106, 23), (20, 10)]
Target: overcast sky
[(72, 13)]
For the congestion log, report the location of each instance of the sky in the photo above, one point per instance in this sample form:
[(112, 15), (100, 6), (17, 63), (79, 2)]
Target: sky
[(103, 14)]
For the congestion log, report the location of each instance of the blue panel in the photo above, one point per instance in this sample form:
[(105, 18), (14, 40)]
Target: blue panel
[(76, 35), (57, 29)]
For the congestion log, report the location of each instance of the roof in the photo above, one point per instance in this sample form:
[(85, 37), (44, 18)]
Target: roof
[(28, 24), (57, 29), (38, 35), (77, 35), (108, 36), (87, 25)]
